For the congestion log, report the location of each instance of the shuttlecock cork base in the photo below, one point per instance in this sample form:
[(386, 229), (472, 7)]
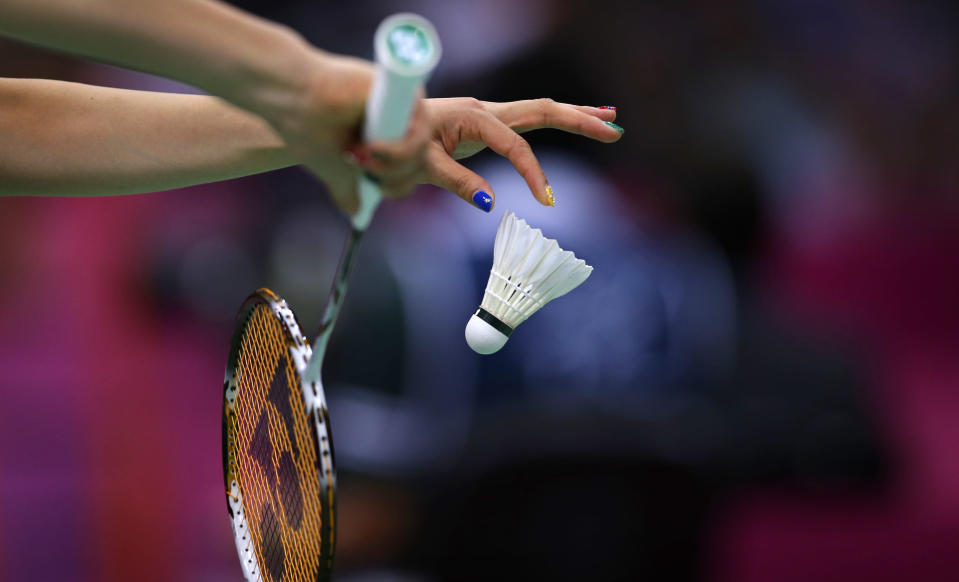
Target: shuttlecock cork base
[(485, 333), (529, 270)]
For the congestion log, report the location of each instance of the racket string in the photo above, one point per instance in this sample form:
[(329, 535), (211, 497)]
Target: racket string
[(274, 459)]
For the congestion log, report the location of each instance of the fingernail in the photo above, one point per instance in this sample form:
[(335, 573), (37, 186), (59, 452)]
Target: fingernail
[(614, 126), (549, 196), (483, 201), (359, 155), (606, 107)]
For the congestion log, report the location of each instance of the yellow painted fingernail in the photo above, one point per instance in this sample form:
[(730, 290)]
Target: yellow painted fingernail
[(549, 195)]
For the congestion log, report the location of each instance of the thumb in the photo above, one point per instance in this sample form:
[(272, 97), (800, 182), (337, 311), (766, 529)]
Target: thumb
[(449, 174)]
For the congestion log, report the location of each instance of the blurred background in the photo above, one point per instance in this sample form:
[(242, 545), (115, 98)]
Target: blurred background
[(760, 381)]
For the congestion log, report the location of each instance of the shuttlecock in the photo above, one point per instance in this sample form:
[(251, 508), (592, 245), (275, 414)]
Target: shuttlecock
[(529, 270)]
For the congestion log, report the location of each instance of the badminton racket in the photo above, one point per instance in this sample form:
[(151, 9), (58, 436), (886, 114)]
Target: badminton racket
[(277, 444)]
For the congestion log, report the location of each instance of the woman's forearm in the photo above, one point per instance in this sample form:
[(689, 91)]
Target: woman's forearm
[(253, 63), (60, 138)]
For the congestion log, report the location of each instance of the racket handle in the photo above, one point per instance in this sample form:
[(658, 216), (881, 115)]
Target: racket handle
[(407, 50)]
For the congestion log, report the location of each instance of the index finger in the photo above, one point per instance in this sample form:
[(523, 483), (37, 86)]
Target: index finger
[(503, 140)]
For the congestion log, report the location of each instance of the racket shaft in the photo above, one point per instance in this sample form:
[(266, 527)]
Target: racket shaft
[(399, 76), (337, 293)]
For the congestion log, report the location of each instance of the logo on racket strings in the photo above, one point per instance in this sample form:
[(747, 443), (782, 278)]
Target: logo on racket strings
[(286, 519)]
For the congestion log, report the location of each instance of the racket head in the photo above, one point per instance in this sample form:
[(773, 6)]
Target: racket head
[(277, 449)]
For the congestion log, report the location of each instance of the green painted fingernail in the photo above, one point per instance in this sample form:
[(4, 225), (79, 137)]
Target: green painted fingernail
[(614, 126)]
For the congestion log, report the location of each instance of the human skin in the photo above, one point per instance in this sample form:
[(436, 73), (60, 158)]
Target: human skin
[(71, 139), (311, 99)]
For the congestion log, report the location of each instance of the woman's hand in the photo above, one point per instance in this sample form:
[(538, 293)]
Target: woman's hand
[(461, 127), (322, 129), (322, 132)]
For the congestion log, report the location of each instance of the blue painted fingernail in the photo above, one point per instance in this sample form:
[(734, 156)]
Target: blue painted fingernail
[(483, 201)]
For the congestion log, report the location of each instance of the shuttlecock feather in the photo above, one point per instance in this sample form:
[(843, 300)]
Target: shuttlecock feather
[(529, 270)]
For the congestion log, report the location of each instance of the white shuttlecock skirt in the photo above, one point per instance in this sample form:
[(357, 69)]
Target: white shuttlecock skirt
[(529, 270)]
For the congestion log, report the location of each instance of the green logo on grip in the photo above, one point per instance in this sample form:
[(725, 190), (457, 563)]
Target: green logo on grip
[(409, 45)]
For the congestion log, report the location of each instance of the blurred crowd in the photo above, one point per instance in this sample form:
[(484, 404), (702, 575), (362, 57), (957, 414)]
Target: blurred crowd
[(760, 380)]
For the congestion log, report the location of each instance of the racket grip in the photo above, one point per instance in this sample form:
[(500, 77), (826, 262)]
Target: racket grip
[(407, 50)]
